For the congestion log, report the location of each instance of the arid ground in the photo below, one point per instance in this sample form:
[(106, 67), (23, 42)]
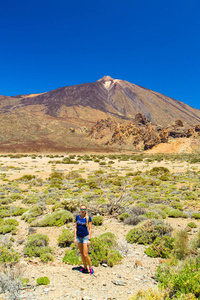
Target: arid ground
[(137, 270)]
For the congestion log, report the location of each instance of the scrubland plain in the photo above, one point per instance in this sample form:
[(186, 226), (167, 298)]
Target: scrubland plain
[(145, 210)]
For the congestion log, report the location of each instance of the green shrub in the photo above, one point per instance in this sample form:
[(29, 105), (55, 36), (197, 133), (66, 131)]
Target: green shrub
[(134, 220), (147, 232), (184, 215), (164, 177), (123, 216), (195, 242), (109, 238), (181, 247), (31, 199), (18, 211), (150, 294), (183, 279), (161, 247), (57, 218), (45, 257), (99, 172), (177, 205), (33, 212), (37, 245), (43, 280), (5, 211), (66, 238), (192, 225), (25, 281), (27, 177), (70, 204), (102, 251), (152, 215), (138, 180), (130, 174), (5, 201), (16, 196), (11, 222), (8, 228), (8, 255), (172, 212), (162, 213), (159, 171), (189, 195), (92, 185), (71, 257), (196, 216), (73, 175), (97, 220), (56, 180)]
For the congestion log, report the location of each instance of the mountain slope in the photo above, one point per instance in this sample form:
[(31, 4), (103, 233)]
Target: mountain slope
[(114, 97), (60, 119)]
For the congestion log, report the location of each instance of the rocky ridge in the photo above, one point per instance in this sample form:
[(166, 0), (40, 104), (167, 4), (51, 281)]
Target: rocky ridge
[(141, 134)]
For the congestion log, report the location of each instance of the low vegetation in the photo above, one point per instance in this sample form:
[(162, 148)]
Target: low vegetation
[(43, 280), (56, 218), (66, 238), (148, 231), (140, 195), (8, 255), (37, 245), (102, 250)]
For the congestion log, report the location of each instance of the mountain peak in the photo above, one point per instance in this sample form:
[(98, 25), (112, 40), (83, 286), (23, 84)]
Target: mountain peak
[(106, 78)]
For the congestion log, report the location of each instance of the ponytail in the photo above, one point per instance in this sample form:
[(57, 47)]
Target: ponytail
[(87, 219)]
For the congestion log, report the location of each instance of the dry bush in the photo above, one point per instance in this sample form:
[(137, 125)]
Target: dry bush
[(10, 281), (134, 220)]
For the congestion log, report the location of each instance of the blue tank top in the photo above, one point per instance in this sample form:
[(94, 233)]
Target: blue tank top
[(82, 229)]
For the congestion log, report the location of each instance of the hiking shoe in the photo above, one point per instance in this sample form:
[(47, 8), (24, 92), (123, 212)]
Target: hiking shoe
[(91, 271), (83, 270)]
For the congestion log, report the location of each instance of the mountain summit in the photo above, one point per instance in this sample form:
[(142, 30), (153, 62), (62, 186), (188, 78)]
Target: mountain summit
[(117, 98), (48, 117)]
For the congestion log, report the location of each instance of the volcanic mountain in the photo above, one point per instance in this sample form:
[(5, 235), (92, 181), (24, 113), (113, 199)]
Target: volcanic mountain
[(61, 118)]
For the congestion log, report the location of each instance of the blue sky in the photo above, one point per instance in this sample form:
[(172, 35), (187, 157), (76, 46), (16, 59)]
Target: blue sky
[(45, 45)]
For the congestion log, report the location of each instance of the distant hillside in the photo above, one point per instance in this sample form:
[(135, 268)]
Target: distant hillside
[(59, 120)]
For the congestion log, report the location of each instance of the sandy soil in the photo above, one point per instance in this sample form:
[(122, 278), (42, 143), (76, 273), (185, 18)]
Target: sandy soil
[(68, 283), (16, 168)]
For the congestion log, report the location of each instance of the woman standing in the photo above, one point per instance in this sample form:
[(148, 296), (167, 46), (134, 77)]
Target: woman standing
[(82, 237)]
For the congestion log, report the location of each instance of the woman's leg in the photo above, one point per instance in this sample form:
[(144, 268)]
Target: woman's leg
[(80, 247), (86, 256)]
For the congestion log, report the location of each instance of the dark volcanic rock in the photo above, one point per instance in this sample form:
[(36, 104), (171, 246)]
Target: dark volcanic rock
[(151, 137), (164, 135), (141, 119), (179, 123), (190, 132), (197, 128), (142, 134)]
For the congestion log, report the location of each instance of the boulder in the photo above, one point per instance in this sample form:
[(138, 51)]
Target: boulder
[(151, 137), (179, 123), (190, 132), (197, 128), (141, 119), (164, 136)]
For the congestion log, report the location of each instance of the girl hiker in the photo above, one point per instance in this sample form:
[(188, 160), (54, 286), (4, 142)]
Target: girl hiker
[(82, 237)]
